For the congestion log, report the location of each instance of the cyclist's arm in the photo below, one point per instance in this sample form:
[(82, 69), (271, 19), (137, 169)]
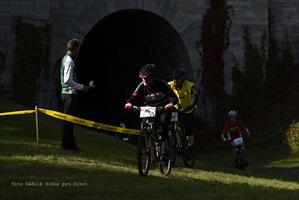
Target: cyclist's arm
[(194, 97), (172, 96), (243, 128), (136, 94), (225, 130)]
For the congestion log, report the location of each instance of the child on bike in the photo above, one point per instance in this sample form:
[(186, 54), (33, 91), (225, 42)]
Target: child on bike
[(233, 129)]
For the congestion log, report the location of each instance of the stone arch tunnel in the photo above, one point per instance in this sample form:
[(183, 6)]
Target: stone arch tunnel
[(112, 53)]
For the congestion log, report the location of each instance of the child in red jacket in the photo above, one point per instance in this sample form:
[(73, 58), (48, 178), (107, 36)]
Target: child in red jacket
[(233, 128)]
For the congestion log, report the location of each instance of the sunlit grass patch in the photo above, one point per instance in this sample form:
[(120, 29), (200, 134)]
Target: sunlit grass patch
[(230, 178), (107, 167)]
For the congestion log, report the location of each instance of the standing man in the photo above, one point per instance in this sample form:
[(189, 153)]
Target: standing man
[(69, 94), (188, 98)]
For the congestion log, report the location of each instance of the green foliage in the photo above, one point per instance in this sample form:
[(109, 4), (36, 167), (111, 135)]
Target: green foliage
[(214, 41), (253, 73), (108, 167), (248, 85), (292, 137), (30, 53), (266, 104), (287, 62), (272, 68), (237, 78)]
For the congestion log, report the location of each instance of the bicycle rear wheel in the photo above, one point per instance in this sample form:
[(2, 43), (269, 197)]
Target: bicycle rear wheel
[(173, 146), (241, 159), (143, 154), (189, 157)]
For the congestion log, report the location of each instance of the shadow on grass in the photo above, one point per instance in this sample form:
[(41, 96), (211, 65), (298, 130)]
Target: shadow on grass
[(28, 179), (109, 169), (262, 163), (121, 153)]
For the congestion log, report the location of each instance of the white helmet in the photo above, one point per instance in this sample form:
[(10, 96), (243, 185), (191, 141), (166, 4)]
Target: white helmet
[(232, 114)]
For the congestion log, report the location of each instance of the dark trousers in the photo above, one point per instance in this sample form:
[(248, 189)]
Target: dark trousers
[(164, 119), (69, 102), (186, 119)]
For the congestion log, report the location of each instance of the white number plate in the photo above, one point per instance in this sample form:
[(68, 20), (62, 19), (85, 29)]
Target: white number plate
[(238, 141), (174, 117), (147, 111)]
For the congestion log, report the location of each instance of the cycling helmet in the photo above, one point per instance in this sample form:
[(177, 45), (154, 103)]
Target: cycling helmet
[(148, 70), (232, 114), (178, 73)]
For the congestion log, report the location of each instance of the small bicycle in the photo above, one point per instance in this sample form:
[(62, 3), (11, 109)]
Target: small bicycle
[(239, 150)]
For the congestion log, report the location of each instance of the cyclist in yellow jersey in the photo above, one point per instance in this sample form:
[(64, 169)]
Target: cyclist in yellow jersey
[(188, 98)]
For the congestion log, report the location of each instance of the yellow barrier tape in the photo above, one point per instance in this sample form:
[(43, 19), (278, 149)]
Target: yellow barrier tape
[(88, 123), (22, 112)]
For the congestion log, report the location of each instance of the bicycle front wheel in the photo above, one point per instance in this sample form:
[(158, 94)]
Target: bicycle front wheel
[(241, 159), (143, 154), (166, 160)]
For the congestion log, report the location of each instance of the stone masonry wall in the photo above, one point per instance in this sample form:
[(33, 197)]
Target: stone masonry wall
[(33, 11), (75, 18)]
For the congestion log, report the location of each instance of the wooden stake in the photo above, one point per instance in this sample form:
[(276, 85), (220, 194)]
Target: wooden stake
[(36, 125)]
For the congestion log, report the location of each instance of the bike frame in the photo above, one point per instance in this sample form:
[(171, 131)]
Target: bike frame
[(151, 132)]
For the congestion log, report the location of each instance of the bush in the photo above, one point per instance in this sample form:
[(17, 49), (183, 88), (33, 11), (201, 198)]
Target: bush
[(292, 135)]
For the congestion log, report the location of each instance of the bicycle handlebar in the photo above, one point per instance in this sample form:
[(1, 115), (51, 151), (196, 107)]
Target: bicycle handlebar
[(137, 108)]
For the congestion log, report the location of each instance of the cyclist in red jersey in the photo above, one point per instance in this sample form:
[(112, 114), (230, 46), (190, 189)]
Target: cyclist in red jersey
[(233, 128), (232, 131)]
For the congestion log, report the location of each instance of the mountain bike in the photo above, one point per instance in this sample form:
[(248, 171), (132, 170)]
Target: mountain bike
[(151, 148), (239, 151), (179, 141)]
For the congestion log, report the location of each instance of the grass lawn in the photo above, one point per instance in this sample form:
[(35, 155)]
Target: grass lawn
[(106, 169)]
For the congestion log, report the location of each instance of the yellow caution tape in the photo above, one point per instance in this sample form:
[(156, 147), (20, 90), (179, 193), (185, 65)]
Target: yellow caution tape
[(22, 112), (88, 123)]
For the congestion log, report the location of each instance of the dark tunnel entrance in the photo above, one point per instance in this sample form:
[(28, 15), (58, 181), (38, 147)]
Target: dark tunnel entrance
[(111, 55)]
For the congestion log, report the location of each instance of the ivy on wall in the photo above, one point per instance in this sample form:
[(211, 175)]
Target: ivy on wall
[(214, 41), (265, 93), (263, 90), (31, 56)]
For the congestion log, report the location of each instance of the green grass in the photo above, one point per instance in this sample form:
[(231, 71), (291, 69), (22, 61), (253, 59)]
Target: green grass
[(106, 169)]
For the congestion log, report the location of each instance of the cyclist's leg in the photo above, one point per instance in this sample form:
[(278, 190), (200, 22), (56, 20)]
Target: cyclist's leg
[(164, 120), (188, 124), (235, 157)]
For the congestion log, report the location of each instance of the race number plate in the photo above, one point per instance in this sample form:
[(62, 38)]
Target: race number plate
[(238, 141), (147, 111), (174, 117)]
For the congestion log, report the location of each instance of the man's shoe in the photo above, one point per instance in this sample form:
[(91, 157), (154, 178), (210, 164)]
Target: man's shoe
[(65, 147), (75, 148), (71, 148)]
